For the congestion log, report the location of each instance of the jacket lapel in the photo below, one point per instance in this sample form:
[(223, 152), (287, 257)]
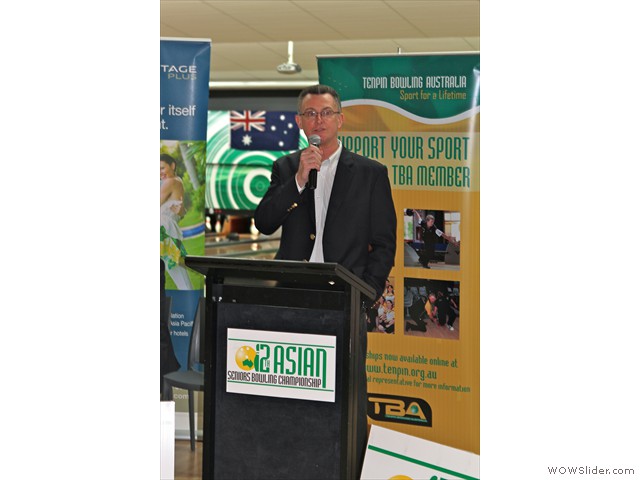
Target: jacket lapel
[(341, 185), (307, 195)]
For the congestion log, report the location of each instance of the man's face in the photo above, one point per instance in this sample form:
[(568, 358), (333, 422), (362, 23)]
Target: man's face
[(326, 128), (429, 221)]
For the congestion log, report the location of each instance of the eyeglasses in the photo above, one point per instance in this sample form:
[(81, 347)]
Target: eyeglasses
[(324, 114)]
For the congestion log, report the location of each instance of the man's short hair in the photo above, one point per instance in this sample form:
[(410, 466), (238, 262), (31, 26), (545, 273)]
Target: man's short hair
[(319, 90)]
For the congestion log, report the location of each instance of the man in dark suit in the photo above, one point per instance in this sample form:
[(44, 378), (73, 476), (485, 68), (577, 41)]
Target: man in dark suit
[(349, 218)]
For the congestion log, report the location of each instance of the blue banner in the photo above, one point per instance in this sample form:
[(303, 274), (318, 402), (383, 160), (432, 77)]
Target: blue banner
[(184, 96), (184, 89)]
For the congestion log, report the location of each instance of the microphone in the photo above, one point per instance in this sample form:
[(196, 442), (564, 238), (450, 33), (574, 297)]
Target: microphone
[(313, 174)]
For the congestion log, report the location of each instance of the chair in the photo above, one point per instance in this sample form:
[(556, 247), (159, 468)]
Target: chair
[(191, 379), (408, 301)]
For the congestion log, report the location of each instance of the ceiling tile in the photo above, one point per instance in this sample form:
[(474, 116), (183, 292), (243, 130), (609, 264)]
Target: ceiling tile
[(437, 18), (361, 20), (249, 37)]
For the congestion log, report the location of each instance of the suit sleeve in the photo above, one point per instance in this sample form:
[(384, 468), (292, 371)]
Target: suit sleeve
[(281, 197), (383, 233)]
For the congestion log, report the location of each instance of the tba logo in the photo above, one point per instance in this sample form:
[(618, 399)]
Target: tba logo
[(397, 409)]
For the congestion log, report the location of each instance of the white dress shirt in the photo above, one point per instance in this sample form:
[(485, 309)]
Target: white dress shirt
[(322, 194)]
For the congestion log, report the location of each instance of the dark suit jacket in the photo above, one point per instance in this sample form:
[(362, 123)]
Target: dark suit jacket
[(360, 228)]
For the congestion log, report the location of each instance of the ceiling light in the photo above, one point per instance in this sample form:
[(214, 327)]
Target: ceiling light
[(290, 66)]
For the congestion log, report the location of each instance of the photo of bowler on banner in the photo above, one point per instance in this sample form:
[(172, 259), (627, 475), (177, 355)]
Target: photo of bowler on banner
[(431, 239), (432, 308)]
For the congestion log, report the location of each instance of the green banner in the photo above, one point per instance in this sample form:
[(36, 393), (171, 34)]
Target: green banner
[(436, 90), (236, 179), (420, 116)]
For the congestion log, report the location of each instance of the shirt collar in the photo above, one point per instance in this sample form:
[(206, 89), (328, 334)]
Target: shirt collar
[(335, 156)]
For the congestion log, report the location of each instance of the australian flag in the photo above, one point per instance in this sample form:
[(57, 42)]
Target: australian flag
[(261, 130)]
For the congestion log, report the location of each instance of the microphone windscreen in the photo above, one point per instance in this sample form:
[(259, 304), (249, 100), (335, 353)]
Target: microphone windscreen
[(314, 140)]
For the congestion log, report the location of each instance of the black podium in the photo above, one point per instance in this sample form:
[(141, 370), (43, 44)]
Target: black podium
[(260, 435)]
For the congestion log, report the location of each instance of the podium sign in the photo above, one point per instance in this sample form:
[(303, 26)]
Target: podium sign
[(279, 364), (396, 455)]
